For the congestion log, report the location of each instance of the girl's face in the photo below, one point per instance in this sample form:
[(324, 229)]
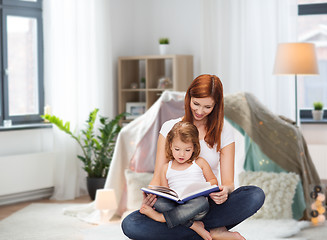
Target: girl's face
[(201, 107), (182, 151)]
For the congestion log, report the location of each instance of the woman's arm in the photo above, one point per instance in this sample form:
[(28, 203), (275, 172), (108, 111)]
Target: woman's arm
[(150, 199), (227, 155), (207, 171), (160, 160), (163, 179)]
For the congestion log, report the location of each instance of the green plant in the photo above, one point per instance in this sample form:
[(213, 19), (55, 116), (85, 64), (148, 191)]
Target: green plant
[(97, 146), (163, 40), (318, 105)]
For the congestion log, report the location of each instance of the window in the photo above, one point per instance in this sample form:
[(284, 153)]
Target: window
[(312, 27), (22, 98)]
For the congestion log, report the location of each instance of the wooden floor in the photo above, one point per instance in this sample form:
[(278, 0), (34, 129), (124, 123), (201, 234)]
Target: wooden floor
[(7, 210)]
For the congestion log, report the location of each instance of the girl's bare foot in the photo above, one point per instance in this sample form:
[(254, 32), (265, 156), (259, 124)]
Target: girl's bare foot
[(223, 234), (198, 227), (151, 213)]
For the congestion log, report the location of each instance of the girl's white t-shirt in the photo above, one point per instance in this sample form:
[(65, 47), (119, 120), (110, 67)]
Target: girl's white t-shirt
[(180, 179), (209, 154)]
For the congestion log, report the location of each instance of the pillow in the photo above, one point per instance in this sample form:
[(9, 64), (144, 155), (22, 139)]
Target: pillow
[(135, 181), (279, 189)]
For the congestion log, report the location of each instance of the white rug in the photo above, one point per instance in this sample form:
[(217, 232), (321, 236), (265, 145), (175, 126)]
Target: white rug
[(42, 222), (251, 230), (258, 229), (47, 222)]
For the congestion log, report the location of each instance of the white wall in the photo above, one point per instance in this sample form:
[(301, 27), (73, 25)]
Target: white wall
[(136, 27), (316, 138), (26, 141), (315, 133), (26, 160)]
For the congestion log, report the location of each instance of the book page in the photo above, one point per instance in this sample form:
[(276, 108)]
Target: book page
[(164, 190), (195, 188), (192, 191), (160, 193)]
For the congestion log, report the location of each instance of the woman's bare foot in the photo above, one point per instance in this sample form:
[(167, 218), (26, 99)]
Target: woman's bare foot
[(198, 227), (151, 213), (223, 234)]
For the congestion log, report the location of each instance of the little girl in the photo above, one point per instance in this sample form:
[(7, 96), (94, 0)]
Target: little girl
[(184, 168)]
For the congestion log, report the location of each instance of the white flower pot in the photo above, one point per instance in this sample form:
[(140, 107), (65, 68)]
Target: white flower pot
[(163, 49), (317, 114)]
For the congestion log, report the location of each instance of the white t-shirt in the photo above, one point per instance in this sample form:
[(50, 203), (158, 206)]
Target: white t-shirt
[(209, 154)]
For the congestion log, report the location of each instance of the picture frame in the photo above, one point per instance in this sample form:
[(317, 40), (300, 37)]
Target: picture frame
[(135, 109)]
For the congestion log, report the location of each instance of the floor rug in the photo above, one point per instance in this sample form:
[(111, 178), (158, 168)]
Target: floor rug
[(258, 229), (41, 221)]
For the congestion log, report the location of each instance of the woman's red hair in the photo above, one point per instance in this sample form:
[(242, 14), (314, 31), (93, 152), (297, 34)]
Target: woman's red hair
[(208, 86)]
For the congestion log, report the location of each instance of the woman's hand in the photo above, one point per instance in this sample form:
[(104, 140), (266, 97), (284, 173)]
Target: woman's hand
[(220, 197), (149, 199)]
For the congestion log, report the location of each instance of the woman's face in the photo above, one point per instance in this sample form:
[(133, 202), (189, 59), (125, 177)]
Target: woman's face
[(201, 107)]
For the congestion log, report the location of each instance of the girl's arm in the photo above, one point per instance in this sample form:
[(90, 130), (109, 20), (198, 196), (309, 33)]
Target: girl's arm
[(160, 161), (207, 171)]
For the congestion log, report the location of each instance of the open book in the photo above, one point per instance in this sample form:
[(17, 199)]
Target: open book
[(192, 191)]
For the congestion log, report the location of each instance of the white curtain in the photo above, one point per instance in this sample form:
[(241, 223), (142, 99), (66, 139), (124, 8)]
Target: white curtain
[(78, 78), (240, 38)]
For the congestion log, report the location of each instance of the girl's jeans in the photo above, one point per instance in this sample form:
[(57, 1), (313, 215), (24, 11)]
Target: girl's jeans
[(241, 204), (182, 214)]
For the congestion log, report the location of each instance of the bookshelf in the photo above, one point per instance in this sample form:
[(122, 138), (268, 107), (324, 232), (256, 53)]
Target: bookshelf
[(139, 77)]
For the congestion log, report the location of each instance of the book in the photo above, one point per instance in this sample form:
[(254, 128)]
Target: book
[(192, 191)]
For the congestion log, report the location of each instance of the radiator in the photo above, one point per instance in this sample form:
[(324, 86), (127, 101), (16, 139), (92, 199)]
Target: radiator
[(318, 153), (26, 176)]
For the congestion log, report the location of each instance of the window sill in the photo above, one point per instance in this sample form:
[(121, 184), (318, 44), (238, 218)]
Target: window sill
[(306, 117), (25, 126), (311, 121)]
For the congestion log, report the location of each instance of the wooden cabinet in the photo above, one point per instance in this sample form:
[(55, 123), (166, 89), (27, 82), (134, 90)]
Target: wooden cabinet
[(142, 79)]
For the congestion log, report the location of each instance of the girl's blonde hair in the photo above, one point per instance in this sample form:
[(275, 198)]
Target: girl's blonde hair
[(186, 132)]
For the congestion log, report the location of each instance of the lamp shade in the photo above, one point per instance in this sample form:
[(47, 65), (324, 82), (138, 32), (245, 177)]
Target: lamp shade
[(296, 58), (105, 199)]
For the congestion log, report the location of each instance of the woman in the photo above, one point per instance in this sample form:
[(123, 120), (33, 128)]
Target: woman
[(204, 107)]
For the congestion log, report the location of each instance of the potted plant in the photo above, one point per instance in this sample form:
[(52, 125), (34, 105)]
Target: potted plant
[(163, 45), (142, 82), (97, 146), (318, 111)]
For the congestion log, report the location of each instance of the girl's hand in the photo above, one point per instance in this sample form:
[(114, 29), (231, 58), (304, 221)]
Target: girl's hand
[(220, 197), (149, 199)]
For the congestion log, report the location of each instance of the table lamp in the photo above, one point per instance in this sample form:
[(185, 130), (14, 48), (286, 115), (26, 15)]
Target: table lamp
[(296, 59), (105, 201)]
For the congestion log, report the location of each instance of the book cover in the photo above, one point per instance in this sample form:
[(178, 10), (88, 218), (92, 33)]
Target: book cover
[(190, 192)]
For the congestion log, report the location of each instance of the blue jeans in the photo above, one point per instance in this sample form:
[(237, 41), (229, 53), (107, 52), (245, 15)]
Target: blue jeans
[(182, 214), (241, 204)]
